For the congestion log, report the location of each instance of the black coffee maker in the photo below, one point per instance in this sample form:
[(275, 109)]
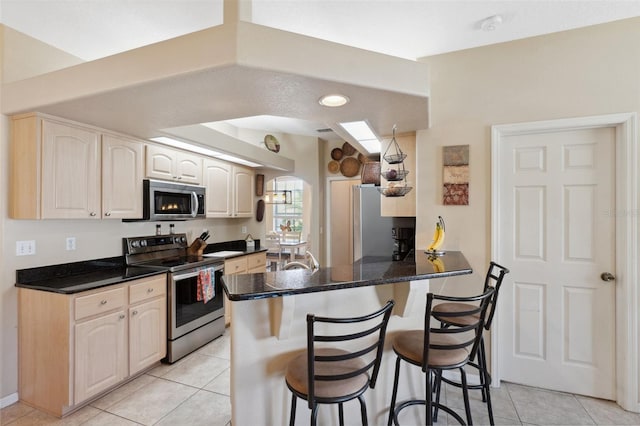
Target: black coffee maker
[(403, 242)]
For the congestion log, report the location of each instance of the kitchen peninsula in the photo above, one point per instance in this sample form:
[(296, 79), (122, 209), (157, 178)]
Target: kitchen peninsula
[(268, 328)]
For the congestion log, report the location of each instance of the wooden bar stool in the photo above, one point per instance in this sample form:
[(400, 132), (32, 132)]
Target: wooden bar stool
[(493, 279), (436, 349), (331, 374)]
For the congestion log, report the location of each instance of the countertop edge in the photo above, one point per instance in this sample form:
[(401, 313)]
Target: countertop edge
[(337, 286)]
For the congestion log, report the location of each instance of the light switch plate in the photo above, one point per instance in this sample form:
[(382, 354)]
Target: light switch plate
[(25, 248)]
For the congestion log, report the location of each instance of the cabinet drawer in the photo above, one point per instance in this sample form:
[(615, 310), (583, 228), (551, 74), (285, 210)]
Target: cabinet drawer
[(256, 261), (236, 266), (147, 289), (98, 303)]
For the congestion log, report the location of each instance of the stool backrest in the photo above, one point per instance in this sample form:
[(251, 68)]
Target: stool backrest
[(495, 275), (459, 337), (357, 345)]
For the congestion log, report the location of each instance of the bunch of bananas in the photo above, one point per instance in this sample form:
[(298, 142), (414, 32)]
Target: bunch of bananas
[(438, 236)]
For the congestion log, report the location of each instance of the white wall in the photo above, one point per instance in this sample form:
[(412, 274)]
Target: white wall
[(589, 71)]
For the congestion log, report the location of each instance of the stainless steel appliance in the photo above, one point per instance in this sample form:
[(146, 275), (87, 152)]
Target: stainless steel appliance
[(191, 323), (172, 201), (373, 234)]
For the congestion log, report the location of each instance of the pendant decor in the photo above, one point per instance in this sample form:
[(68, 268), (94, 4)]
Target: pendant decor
[(395, 174)]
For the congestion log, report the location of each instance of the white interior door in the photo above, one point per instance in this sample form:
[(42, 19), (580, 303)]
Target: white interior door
[(557, 318)]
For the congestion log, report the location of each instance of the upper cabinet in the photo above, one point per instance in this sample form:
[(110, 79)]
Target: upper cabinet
[(63, 170), (229, 189), (122, 165), (405, 205), (172, 164)]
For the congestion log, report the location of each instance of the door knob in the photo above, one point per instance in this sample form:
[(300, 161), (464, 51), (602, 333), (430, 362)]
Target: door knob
[(607, 276)]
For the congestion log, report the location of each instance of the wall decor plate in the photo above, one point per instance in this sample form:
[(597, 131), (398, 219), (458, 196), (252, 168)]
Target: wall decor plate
[(336, 154), (350, 167), (260, 210), (272, 143), (333, 166), (348, 149)]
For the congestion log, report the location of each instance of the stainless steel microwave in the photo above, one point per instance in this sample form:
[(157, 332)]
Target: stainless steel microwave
[(173, 200)]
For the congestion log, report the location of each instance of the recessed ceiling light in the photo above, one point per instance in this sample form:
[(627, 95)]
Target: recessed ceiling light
[(334, 100)]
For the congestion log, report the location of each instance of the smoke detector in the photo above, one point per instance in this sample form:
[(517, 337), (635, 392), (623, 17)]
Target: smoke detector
[(491, 23)]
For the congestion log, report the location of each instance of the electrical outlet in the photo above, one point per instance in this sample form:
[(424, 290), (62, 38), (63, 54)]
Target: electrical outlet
[(244, 230), (25, 248), (71, 243)]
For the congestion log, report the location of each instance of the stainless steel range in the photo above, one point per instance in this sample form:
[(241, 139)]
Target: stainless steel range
[(191, 322)]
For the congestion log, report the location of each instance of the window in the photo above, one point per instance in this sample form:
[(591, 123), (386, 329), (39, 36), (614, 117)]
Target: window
[(290, 214)]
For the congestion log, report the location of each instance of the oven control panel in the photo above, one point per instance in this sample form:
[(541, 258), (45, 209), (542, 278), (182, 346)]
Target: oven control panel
[(137, 245)]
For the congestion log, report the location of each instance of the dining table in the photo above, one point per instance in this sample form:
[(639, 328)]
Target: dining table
[(293, 248)]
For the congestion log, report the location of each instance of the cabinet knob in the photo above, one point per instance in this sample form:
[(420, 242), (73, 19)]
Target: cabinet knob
[(121, 316), (92, 214), (150, 290), (134, 312), (107, 214), (103, 302)]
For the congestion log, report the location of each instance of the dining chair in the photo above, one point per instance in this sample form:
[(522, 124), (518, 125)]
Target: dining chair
[(436, 349), (274, 250), (493, 279), (340, 363)]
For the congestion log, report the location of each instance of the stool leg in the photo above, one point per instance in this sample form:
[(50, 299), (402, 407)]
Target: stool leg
[(428, 400), (437, 388), (314, 415), (292, 417), (394, 394), (363, 411), (341, 414), (465, 394), (482, 362)]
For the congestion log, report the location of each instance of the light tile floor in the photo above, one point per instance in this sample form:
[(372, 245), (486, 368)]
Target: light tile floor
[(195, 391)]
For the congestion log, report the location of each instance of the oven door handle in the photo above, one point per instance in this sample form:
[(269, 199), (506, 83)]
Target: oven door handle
[(178, 277), (195, 204)]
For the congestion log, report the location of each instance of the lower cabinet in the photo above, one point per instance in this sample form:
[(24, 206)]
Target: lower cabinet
[(73, 347), (249, 264)]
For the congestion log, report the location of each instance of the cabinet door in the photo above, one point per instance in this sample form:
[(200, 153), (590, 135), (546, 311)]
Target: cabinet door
[(100, 354), (188, 168), (70, 172), (244, 181), (401, 206), (160, 163), (218, 181), (122, 168), (147, 334)]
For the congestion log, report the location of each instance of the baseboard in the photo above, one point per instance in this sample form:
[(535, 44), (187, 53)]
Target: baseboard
[(8, 400)]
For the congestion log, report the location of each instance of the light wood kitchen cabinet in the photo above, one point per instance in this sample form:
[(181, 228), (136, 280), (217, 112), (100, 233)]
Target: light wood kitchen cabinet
[(64, 170), (249, 264), (230, 189), (172, 164), (122, 174), (73, 347), (401, 206)]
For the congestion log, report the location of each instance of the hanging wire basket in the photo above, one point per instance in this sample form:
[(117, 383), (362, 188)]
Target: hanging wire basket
[(393, 154), (395, 175)]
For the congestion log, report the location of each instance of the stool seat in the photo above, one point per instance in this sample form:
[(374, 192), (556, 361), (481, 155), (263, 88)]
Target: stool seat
[(453, 307), (297, 375), (410, 346)]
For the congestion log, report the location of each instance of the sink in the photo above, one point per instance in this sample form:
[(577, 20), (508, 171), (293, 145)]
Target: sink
[(226, 253)]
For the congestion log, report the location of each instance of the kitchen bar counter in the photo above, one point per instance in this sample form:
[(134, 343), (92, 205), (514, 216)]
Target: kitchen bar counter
[(365, 272), (268, 329)]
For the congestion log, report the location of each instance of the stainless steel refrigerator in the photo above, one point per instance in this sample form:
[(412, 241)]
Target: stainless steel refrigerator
[(371, 232)]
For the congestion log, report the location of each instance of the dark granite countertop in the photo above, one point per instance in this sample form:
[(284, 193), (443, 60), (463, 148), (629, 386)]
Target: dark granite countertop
[(69, 278), (365, 272)]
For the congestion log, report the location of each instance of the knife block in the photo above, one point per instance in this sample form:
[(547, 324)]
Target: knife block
[(196, 248)]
